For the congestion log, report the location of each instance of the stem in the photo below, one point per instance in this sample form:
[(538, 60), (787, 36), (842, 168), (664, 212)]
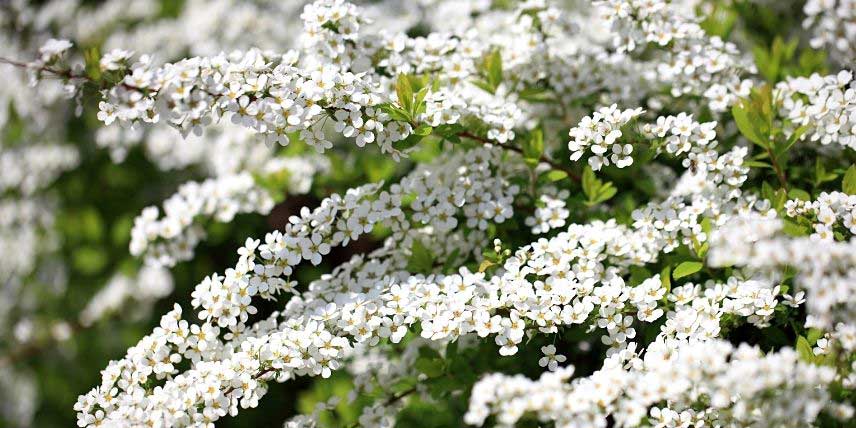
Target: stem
[(69, 75), (391, 400), (776, 167), (543, 158)]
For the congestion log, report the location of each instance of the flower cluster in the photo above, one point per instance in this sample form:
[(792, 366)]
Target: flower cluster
[(833, 25), (602, 132), (29, 169), (445, 248), (825, 104), (269, 95), (825, 267), (599, 133), (168, 240), (550, 214), (702, 383), (386, 302), (828, 211), (694, 62), (150, 284)]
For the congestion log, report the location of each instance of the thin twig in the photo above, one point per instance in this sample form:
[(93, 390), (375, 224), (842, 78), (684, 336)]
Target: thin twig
[(516, 149)]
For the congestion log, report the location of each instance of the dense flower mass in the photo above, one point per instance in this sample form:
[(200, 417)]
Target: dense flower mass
[(570, 213)]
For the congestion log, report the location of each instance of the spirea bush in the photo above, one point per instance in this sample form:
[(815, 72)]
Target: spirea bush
[(609, 213)]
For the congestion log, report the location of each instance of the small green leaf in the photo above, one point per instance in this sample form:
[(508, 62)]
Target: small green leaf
[(590, 183), (798, 133), (745, 125), (404, 92), (494, 68), (799, 194), (848, 183), (665, 279), (820, 174), (686, 269), (792, 228), (706, 225), (395, 113), (431, 367), (756, 164), (419, 102), (485, 265), (422, 130), (813, 335), (804, 350), (556, 175), (421, 260), (533, 147), (484, 86), (451, 261), (606, 192)]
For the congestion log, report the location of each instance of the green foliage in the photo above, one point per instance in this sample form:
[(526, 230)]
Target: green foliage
[(421, 259), (686, 269), (780, 60), (848, 183), (490, 71), (533, 148), (595, 189)]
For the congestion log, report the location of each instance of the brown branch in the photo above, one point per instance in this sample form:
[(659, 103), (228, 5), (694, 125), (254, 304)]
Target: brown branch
[(35, 347), (544, 159), (391, 400)]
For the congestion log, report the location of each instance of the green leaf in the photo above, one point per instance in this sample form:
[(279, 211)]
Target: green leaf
[(89, 260), (798, 133), (813, 335), (411, 141), (820, 174), (848, 183), (590, 183), (665, 279), (419, 102), (92, 63), (485, 265), (395, 113), (804, 350), (706, 225), (422, 130), (451, 261), (756, 164), (533, 147), (404, 384), (494, 68), (535, 95), (638, 274), (451, 350), (429, 362), (404, 92), (484, 86), (799, 194), (556, 175), (686, 269), (792, 228), (447, 131), (421, 260), (605, 193), (431, 367), (596, 190), (745, 125)]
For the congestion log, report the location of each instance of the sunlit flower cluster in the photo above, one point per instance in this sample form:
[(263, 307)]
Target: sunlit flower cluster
[(825, 104), (541, 212), (833, 26)]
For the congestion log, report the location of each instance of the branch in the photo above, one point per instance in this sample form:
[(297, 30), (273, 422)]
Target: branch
[(544, 159)]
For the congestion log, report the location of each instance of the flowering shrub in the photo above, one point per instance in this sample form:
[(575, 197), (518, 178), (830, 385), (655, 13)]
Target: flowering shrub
[(628, 213)]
